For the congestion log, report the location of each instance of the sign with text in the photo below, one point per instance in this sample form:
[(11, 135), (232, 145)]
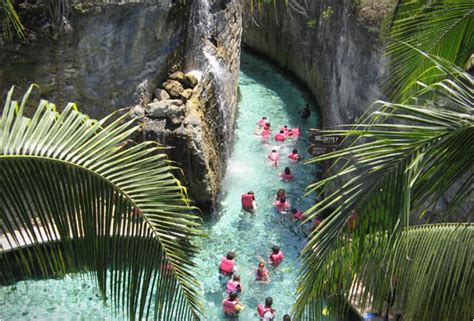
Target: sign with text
[(317, 138), (314, 150)]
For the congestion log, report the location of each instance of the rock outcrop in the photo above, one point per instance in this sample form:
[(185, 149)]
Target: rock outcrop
[(331, 46)]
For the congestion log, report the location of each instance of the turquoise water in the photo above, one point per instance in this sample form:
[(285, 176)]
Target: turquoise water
[(265, 91)]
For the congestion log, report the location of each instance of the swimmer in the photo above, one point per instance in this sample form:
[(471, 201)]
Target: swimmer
[(266, 312), (305, 112), (285, 130), (280, 193), (277, 256), (274, 157), (262, 121), (280, 136), (294, 156), (248, 201), (286, 176), (297, 215), (295, 132), (232, 305), (261, 274), (227, 265), (282, 205), (286, 317), (234, 286)]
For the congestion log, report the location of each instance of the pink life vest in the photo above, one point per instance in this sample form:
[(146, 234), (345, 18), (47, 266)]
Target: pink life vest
[(261, 275), (298, 215), (277, 258), (266, 133), (274, 156), (229, 306), (295, 132), (280, 137), (262, 122), (286, 177), (247, 200), (294, 156), (261, 310), (226, 265), (233, 286), (282, 206)]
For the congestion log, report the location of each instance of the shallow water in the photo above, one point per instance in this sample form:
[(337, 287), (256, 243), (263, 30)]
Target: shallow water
[(265, 91)]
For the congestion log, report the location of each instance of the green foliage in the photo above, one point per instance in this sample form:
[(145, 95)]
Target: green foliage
[(10, 21), (326, 14), (77, 195), (400, 159), (311, 23), (443, 28)]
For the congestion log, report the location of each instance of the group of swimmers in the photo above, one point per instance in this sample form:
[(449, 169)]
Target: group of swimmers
[(227, 267)]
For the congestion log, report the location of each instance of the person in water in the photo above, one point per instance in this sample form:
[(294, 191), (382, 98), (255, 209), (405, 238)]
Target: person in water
[(294, 156), (305, 113), (280, 193), (286, 317), (234, 286), (286, 176), (297, 215), (295, 132), (262, 121), (282, 205), (274, 157), (227, 265), (280, 136), (248, 201), (232, 305), (261, 274), (277, 256), (266, 131), (266, 312)]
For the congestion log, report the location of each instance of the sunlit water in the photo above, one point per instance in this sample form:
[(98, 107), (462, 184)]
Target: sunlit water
[(265, 91)]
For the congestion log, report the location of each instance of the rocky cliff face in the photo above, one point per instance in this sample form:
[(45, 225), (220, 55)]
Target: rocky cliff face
[(127, 54), (109, 60), (328, 46)]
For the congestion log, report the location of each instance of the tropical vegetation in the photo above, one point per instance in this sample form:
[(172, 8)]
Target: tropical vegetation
[(77, 195), (385, 240)]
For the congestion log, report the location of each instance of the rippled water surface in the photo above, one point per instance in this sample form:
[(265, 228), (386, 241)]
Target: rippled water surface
[(265, 91)]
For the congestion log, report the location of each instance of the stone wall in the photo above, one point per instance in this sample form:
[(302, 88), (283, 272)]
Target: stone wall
[(108, 61), (328, 46)]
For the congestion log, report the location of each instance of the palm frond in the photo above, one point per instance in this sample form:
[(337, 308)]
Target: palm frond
[(441, 28), (76, 195), (398, 162), (10, 21)]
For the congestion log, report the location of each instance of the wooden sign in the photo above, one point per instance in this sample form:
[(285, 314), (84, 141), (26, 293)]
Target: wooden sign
[(314, 150), (318, 139)]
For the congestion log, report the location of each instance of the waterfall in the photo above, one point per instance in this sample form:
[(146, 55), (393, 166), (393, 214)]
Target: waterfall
[(206, 59)]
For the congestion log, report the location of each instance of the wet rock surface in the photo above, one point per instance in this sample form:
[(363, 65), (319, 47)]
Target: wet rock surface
[(328, 46)]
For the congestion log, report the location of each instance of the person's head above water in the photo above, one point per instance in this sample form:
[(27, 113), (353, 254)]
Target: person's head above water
[(286, 317), (236, 277), (261, 265), (287, 171), (230, 255), (281, 192), (285, 126), (268, 302), (282, 131), (275, 249), (264, 117), (294, 151), (267, 125), (274, 151)]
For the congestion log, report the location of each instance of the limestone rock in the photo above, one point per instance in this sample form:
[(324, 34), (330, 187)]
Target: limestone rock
[(172, 109), (137, 111), (161, 94), (177, 75), (173, 87), (186, 94), (190, 81)]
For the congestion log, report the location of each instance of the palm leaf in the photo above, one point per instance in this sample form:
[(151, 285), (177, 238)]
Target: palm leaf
[(441, 28), (398, 162), (77, 196), (10, 21)]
